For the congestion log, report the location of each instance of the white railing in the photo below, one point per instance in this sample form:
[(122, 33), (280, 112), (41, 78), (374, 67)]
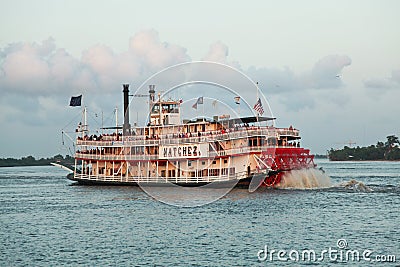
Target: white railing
[(160, 179), (130, 141), (115, 157), (240, 150)]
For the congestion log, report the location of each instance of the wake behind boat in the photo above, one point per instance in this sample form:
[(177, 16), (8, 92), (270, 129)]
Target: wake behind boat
[(220, 151)]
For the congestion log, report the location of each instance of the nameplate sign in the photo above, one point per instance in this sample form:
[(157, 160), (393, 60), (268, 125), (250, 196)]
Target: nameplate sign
[(183, 151)]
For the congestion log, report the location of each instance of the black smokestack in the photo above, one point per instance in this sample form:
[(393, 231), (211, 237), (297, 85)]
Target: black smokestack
[(126, 126)]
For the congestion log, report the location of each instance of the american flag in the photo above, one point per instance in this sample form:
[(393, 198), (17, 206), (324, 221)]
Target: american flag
[(200, 100), (258, 107)]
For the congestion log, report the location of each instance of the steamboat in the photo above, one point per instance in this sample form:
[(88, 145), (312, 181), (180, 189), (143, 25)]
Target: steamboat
[(168, 150)]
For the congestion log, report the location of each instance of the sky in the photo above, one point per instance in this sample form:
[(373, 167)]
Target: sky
[(329, 68)]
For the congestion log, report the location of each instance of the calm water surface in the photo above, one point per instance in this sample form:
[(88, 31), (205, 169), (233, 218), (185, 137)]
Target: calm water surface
[(46, 220)]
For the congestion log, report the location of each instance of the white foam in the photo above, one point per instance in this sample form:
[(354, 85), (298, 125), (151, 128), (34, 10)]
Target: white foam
[(305, 179), (355, 185)]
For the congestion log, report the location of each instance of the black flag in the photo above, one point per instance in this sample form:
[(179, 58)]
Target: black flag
[(75, 101)]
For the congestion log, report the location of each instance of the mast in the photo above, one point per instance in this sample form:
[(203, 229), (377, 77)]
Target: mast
[(83, 127), (203, 111), (257, 100), (85, 116), (102, 122), (160, 111), (116, 120)]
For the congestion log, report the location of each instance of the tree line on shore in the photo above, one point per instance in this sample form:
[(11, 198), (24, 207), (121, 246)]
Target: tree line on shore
[(32, 161), (388, 150)]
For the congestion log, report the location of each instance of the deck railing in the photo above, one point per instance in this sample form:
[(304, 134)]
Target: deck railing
[(129, 141), (121, 157), (160, 179)]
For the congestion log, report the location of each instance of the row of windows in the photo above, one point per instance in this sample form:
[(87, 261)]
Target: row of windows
[(201, 173), (204, 162)]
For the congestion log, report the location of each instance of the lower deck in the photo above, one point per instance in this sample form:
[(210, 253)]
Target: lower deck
[(162, 181)]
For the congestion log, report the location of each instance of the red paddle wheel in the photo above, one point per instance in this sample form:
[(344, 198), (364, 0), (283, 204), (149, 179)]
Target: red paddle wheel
[(283, 159)]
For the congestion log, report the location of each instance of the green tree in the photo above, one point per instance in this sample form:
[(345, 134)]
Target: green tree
[(380, 144), (389, 150), (391, 147), (392, 140)]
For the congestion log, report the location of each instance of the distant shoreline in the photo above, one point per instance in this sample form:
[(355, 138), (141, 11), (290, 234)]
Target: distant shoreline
[(31, 161), (13, 166), (382, 151)]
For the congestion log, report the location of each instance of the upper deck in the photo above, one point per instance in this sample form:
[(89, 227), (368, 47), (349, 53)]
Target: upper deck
[(188, 138), (224, 142)]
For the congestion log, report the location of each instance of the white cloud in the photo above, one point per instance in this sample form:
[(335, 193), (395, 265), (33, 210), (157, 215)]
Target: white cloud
[(391, 82), (42, 69), (295, 90), (218, 52), (396, 76), (25, 70), (154, 54), (326, 72)]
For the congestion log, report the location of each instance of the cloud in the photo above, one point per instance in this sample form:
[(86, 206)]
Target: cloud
[(326, 72), (275, 80), (323, 75), (40, 69), (218, 52), (24, 68), (390, 82), (37, 79), (44, 69), (396, 76), (378, 83), (155, 54), (294, 89)]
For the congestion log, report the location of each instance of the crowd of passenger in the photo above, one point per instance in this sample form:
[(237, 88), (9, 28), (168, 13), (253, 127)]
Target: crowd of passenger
[(101, 137), (116, 137)]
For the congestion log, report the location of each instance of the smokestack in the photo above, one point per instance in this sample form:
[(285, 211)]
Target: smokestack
[(151, 96), (126, 126)]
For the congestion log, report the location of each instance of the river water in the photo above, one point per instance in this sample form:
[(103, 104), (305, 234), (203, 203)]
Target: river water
[(47, 220)]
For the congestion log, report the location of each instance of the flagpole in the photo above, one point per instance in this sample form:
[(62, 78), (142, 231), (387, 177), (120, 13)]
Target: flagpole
[(257, 99), (84, 111), (84, 129), (102, 123), (237, 102), (116, 120), (85, 121), (203, 110)]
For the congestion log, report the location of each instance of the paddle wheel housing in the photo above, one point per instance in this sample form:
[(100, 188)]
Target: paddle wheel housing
[(283, 159)]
